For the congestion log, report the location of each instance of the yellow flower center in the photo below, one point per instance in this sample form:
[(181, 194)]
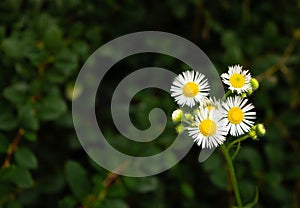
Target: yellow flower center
[(207, 127), (190, 89), (237, 80), (235, 115)]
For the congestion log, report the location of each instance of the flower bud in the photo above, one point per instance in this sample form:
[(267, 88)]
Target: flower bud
[(188, 116), (177, 115), (250, 91), (179, 128), (260, 129), (254, 83), (243, 95), (196, 111), (252, 134)]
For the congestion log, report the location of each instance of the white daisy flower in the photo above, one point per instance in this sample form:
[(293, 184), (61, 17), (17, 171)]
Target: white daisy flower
[(189, 87), (238, 115), (237, 79), (211, 103), (210, 130)]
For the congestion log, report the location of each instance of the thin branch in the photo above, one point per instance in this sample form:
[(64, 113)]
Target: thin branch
[(280, 65), (12, 147)]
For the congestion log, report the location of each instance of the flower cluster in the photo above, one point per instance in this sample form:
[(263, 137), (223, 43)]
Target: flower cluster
[(211, 120)]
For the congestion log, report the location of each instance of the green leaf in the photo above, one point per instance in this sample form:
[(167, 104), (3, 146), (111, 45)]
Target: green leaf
[(30, 136), (141, 185), (187, 190), (51, 108), (252, 156), (255, 200), (25, 158), (16, 93), (273, 178), (212, 163), (7, 121), (219, 179), (247, 189), (28, 118), (21, 177), (275, 155), (229, 39), (23, 71), (66, 61), (77, 179), (12, 47), (117, 203), (7, 172), (53, 37)]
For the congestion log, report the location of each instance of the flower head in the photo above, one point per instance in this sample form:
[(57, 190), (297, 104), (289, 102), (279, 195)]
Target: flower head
[(238, 115), (189, 87), (211, 103), (210, 130), (237, 79)]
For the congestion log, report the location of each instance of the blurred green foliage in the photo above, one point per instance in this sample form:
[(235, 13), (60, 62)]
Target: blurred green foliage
[(43, 45)]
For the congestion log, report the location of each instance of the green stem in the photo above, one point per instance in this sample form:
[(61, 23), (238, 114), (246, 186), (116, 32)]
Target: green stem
[(226, 95), (246, 136), (232, 176), (236, 151)]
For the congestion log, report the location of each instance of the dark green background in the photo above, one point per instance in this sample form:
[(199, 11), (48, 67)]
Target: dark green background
[(43, 45)]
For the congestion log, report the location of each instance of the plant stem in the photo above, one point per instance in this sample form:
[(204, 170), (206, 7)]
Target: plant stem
[(246, 136), (232, 176), (226, 95), (12, 147), (236, 151)]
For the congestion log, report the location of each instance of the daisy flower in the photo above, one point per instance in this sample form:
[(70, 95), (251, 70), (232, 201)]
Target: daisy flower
[(237, 79), (238, 115), (211, 103), (189, 87), (210, 130)]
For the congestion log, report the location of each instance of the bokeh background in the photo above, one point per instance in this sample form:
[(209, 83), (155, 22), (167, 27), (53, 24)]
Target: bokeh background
[(43, 45)]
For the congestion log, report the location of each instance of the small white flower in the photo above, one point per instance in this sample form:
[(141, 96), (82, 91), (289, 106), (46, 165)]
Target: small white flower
[(237, 79), (211, 103), (238, 115), (189, 87), (210, 130)]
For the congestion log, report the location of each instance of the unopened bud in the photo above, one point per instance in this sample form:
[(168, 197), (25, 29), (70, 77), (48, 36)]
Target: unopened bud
[(260, 129), (177, 115), (179, 128), (250, 91), (252, 134), (188, 116), (254, 83), (196, 111), (243, 95)]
